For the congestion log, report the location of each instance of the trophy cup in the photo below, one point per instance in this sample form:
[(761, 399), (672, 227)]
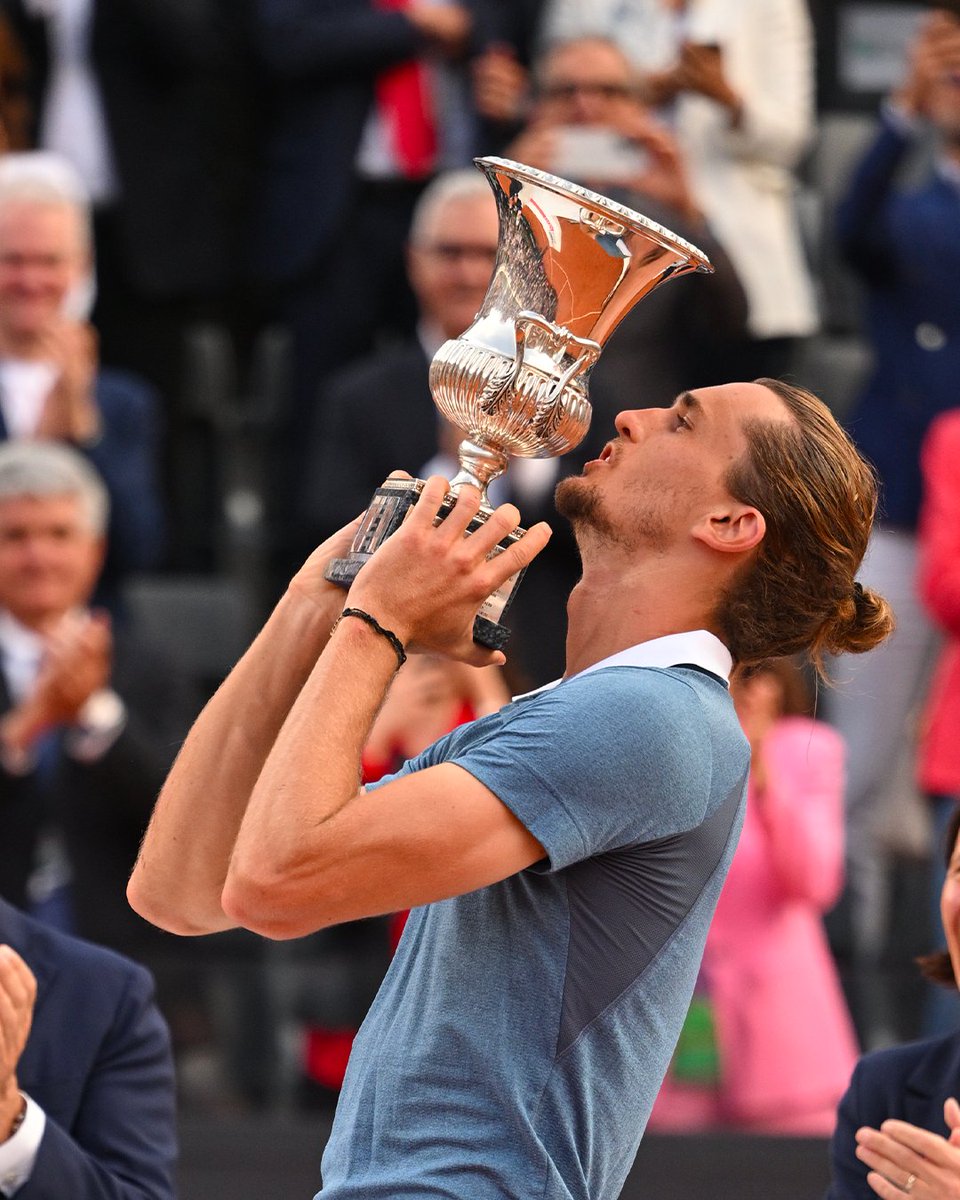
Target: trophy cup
[(570, 265)]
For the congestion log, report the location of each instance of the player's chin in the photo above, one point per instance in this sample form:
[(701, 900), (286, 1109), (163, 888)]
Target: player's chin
[(570, 495)]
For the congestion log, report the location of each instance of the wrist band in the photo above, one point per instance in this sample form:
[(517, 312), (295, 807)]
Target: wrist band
[(375, 624)]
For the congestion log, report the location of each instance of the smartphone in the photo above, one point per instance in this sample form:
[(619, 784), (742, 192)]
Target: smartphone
[(596, 153)]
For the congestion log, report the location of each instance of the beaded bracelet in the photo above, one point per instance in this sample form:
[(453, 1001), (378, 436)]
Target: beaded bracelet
[(375, 624)]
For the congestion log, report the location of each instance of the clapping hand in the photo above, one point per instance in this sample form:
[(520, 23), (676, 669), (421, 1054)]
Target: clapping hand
[(18, 991), (906, 1160), (77, 662), (70, 411)]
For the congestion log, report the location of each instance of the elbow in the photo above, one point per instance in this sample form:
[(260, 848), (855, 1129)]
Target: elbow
[(163, 910), (265, 907)]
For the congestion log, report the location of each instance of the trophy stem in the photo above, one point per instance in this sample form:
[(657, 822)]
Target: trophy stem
[(480, 464)]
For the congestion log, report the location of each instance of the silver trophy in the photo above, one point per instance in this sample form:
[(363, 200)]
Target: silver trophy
[(570, 265)]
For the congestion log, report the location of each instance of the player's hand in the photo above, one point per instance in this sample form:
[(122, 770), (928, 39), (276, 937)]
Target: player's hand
[(18, 992), (906, 1160), (309, 581), (428, 580)]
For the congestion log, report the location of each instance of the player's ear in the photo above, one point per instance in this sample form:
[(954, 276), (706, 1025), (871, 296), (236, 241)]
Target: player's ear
[(734, 529)]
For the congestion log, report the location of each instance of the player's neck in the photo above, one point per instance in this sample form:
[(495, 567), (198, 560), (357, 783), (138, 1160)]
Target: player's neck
[(612, 609)]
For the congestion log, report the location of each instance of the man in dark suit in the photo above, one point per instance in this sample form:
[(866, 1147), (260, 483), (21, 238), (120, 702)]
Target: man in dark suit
[(51, 383), (91, 720), (86, 1077), (164, 139)]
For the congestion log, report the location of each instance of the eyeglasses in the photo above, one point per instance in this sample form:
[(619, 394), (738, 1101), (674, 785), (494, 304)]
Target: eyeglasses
[(567, 89), (454, 252)]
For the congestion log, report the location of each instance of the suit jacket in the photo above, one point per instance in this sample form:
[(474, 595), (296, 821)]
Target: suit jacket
[(905, 245), (320, 60), (98, 1063), (178, 98), (101, 808), (939, 758), (127, 455), (908, 1082), (786, 1041)]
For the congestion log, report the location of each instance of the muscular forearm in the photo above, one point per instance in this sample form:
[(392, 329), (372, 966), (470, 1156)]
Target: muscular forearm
[(276, 878), (179, 875)]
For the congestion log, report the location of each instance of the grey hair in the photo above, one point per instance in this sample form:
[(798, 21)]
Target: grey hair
[(44, 469), (448, 187), (42, 178)]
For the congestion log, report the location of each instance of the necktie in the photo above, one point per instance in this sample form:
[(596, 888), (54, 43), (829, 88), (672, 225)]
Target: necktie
[(404, 101)]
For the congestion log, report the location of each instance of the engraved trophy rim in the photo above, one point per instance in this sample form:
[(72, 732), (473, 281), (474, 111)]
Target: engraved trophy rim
[(597, 200)]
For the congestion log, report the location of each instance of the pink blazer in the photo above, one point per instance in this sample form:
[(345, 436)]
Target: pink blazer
[(939, 582), (785, 1037)]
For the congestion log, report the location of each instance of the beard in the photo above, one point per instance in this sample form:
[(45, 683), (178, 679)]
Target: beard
[(642, 527), (578, 501)]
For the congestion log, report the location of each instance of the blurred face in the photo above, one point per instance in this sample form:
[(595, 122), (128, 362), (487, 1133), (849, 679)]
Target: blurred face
[(41, 259), (450, 267), (667, 467), (585, 83), (49, 557), (950, 908)]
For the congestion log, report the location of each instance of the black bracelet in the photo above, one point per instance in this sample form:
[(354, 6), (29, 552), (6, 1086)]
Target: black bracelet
[(375, 624)]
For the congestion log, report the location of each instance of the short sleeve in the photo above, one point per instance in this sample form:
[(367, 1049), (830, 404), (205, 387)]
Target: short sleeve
[(613, 758)]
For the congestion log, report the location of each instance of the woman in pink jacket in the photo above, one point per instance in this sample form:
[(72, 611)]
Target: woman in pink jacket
[(784, 1038)]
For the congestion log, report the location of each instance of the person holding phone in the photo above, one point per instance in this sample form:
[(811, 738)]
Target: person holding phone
[(743, 90)]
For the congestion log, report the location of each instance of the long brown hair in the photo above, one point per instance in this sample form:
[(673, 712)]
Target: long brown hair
[(818, 497)]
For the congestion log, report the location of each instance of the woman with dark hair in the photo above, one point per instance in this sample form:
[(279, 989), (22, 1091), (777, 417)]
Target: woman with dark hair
[(898, 1126)]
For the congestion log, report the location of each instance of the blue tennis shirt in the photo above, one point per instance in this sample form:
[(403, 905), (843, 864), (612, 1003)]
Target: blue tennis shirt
[(522, 1032)]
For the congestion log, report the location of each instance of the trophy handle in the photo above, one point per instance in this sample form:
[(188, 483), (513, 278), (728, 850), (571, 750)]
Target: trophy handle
[(585, 350)]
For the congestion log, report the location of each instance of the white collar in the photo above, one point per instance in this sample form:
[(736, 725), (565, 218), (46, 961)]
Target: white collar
[(696, 647), (18, 641)]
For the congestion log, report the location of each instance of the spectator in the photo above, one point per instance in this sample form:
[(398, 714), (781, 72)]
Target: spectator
[(51, 384), (784, 1038), (898, 1125), (86, 1077), (905, 245), (364, 102), (939, 758), (744, 88), (91, 719), (152, 102), (588, 123), (378, 411)]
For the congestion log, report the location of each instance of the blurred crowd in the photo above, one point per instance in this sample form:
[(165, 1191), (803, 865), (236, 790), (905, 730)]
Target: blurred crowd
[(233, 233)]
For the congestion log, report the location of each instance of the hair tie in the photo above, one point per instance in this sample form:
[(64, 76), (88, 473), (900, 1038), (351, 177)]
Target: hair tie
[(857, 592)]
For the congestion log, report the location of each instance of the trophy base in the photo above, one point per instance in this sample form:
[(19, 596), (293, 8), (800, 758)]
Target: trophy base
[(385, 515)]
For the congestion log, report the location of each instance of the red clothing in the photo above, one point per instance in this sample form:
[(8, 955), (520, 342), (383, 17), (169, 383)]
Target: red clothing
[(939, 584)]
